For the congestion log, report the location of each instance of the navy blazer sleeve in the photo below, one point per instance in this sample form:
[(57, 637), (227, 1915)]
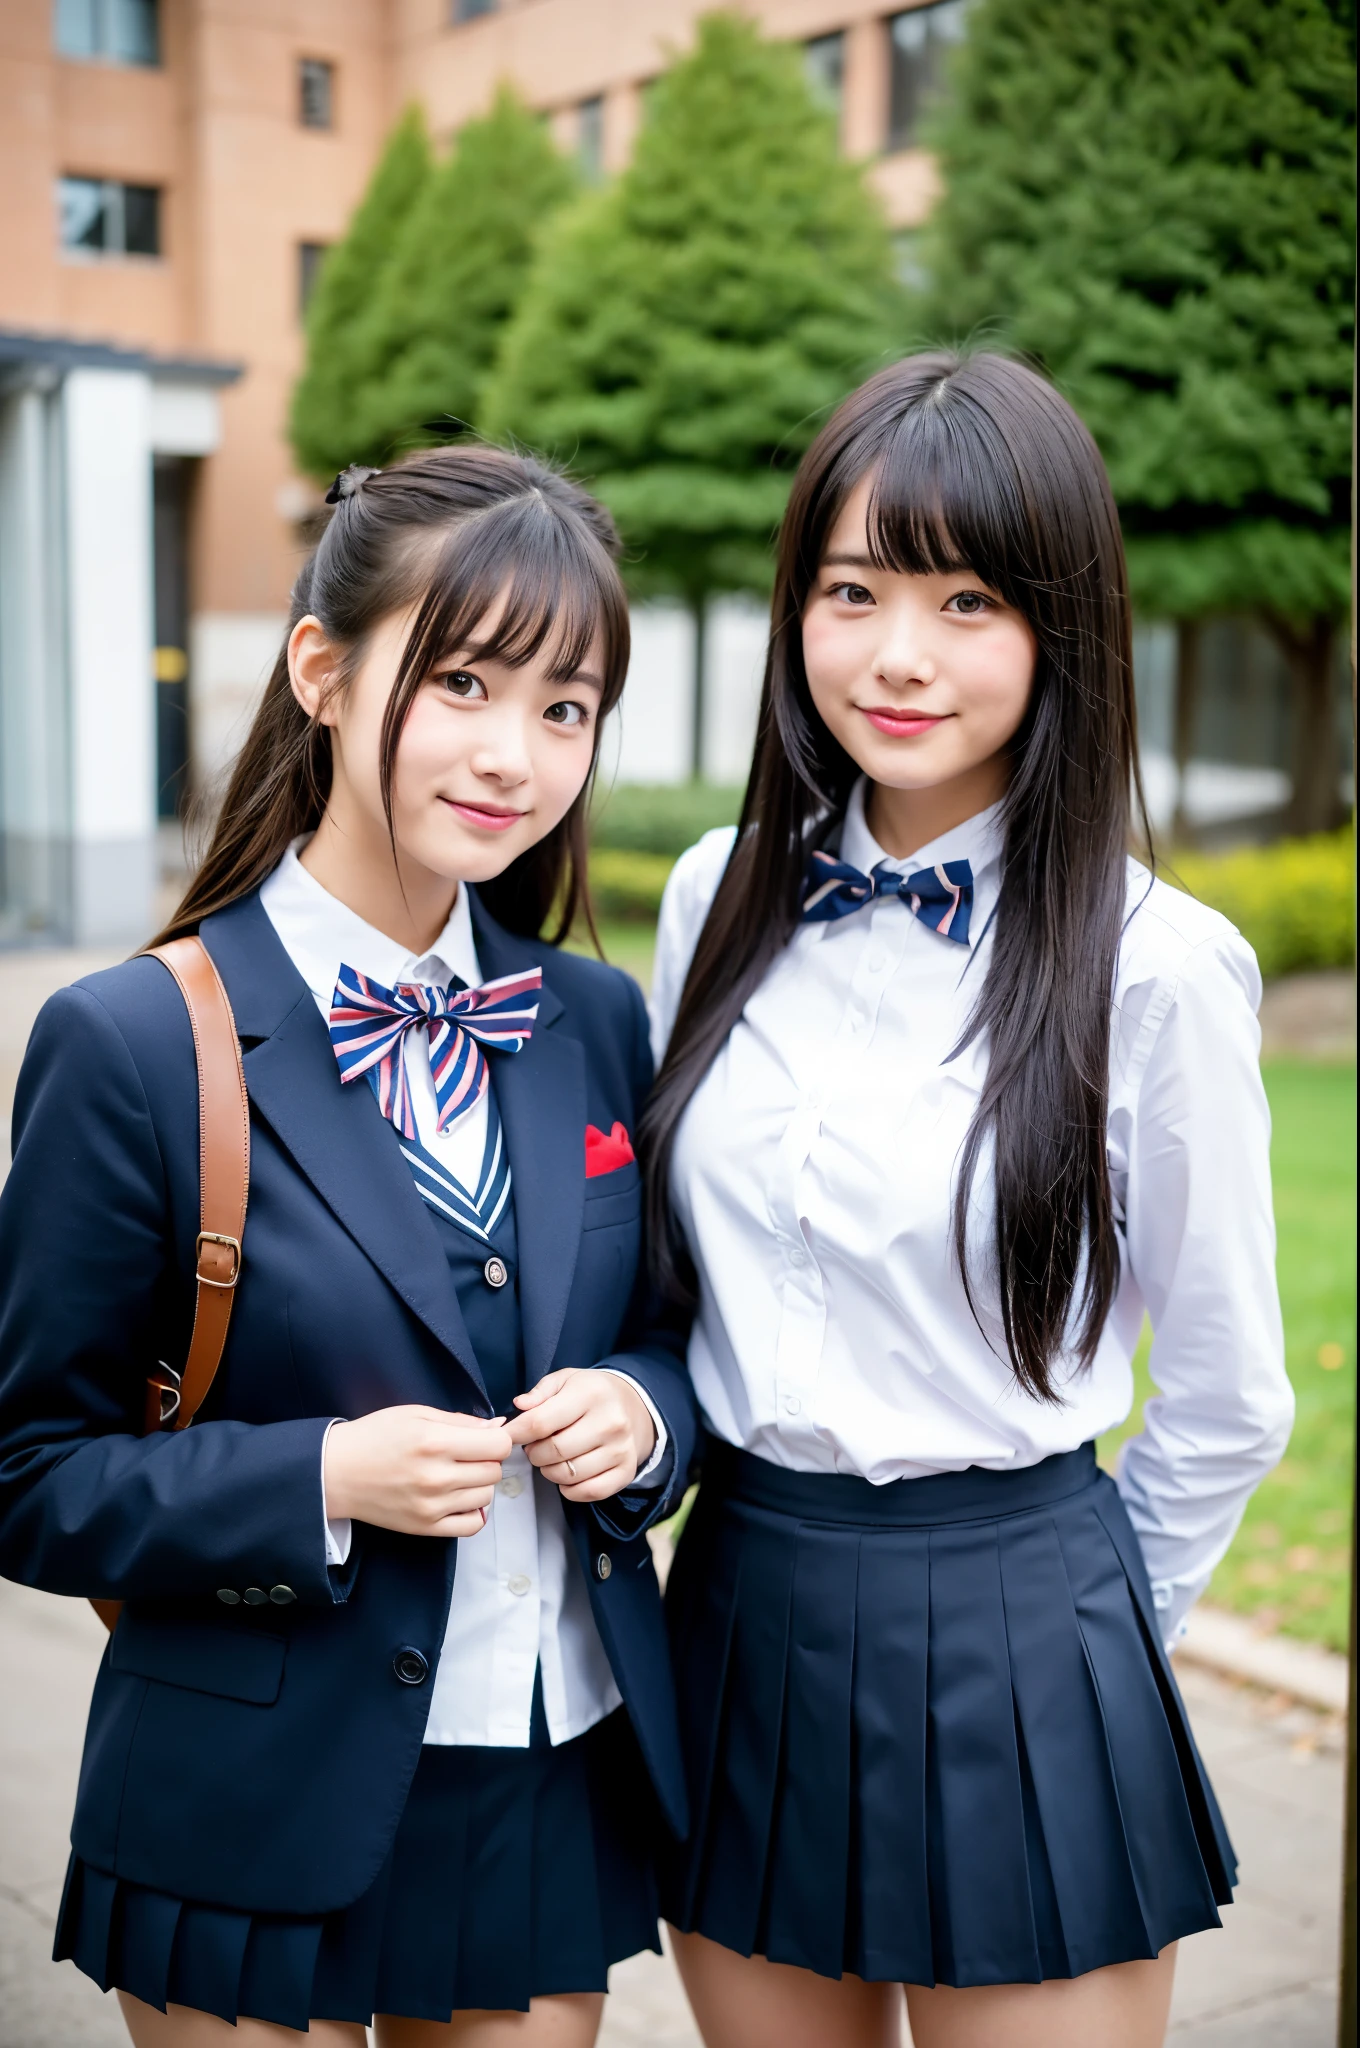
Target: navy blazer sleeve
[(652, 1351), (89, 1288)]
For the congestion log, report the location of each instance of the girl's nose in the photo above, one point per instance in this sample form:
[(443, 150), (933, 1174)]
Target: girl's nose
[(502, 752)]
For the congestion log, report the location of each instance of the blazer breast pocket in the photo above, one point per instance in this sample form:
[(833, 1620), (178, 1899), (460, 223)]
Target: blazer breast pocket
[(236, 1663), (613, 1197)]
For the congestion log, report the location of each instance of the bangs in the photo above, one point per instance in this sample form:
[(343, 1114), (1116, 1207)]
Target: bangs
[(946, 495), (515, 580)]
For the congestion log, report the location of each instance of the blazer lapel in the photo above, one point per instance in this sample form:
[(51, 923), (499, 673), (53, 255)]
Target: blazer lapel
[(541, 1094), (335, 1134)]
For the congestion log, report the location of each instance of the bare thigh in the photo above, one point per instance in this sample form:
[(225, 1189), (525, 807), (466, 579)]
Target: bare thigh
[(179, 2027), (571, 2020), (747, 2002), (1125, 2006)]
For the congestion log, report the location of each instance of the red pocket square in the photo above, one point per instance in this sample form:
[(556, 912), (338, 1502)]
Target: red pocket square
[(607, 1155)]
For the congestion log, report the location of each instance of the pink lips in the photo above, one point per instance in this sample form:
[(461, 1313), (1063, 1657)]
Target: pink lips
[(903, 724), (483, 816)]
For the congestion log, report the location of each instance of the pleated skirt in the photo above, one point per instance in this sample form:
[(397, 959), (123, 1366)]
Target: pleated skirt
[(514, 1874), (931, 1732)]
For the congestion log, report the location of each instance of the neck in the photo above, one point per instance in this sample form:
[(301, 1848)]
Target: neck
[(903, 820), (401, 899)]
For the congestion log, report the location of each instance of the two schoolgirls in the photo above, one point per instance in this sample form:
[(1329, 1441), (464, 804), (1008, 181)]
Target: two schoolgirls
[(385, 1731), (952, 1094)]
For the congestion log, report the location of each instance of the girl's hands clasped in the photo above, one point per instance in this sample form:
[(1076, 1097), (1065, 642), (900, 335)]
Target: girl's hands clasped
[(420, 1471), (589, 1432)]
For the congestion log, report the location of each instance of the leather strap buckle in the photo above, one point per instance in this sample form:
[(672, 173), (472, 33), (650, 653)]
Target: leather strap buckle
[(231, 1244), (162, 1396)]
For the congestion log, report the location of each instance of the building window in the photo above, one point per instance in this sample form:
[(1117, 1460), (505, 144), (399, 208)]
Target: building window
[(102, 217), (590, 138), (825, 61), (919, 43), (468, 10), (316, 92), (309, 266), (118, 31)]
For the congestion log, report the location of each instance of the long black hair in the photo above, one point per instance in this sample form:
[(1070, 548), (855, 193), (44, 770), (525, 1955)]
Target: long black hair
[(978, 464), (449, 531)]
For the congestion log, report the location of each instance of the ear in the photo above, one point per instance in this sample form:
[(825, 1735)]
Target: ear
[(313, 665)]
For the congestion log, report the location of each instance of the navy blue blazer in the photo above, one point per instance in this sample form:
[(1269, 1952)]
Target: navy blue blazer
[(258, 1757)]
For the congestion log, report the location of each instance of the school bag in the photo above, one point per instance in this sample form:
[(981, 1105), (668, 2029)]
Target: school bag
[(173, 1398)]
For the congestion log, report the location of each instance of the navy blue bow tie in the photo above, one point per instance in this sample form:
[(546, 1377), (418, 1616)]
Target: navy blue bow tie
[(941, 897)]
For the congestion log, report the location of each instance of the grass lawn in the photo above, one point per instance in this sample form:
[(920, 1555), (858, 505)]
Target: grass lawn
[(1289, 1565)]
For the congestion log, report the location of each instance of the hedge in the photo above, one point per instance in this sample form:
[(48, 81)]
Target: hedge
[(1294, 901), (661, 817)]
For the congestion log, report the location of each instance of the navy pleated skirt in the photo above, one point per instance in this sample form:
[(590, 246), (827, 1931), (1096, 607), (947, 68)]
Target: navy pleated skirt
[(931, 1732), (514, 1874)]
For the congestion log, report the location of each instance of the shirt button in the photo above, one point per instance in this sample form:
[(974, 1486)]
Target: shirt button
[(876, 961), (229, 1596), (518, 1584), (604, 1565), (255, 1596), (512, 1487), (792, 1405), (282, 1596), (495, 1272)]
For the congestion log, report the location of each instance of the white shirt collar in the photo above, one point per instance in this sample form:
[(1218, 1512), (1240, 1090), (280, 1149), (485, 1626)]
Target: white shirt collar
[(978, 840), (320, 933)]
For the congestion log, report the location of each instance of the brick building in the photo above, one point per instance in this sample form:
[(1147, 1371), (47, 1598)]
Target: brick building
[(173, 170)]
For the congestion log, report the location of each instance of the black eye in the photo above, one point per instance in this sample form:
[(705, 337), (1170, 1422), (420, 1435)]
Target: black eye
[(969, 602), (565, 713), (459, 683), (852, 593)]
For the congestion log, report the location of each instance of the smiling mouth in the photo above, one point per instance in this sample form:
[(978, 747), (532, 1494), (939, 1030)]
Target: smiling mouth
[(903, 724), (486, 817)]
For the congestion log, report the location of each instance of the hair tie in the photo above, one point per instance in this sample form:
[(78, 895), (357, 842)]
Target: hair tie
[(348, 482)]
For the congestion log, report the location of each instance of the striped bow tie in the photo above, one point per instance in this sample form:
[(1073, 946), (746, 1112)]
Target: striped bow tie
[(941, 897), (369, 1024)]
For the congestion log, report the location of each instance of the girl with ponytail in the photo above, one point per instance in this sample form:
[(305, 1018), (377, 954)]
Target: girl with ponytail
[(385, 1728)]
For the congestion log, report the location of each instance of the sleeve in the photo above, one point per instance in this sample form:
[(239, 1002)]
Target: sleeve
[(91, 1294), (1201, 1246), (685, 904), (652, 1355)]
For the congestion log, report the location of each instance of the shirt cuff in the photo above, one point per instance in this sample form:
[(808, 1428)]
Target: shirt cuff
[(339, 1532), (651, 1470)]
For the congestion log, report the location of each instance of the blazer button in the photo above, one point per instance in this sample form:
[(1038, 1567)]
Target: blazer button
[(229, 1596), (282, 1596), (255, 1596), (495, 1272), (604, 1565), (411, 1667)]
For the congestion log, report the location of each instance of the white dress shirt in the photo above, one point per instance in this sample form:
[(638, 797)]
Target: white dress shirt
[(814, 1172), (519, 1596)]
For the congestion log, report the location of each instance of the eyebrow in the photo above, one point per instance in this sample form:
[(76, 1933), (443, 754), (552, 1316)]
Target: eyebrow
[(848, 561)]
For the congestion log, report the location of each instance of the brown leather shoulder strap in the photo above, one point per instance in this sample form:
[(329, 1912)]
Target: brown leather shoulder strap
[(223, 1172)]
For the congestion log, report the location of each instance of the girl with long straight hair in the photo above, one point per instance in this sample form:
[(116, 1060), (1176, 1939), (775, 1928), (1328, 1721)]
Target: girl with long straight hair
[(386, 1725), (953, 1093)]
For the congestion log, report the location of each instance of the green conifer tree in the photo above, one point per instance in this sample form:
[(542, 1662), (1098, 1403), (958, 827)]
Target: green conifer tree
[(1155, 199), (460, 262), (684, 333), (325, 424)]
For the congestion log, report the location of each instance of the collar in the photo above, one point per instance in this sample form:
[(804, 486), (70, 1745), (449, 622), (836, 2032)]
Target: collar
[(978, 840), (319, 933)]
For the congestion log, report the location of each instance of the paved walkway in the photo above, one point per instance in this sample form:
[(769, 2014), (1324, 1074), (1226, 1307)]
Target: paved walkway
[(1266, 1981)]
